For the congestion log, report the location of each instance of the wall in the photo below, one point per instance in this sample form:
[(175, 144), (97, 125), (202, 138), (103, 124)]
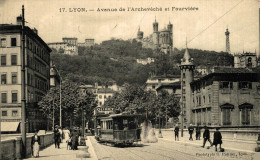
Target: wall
[(11, 149), (232, 139)]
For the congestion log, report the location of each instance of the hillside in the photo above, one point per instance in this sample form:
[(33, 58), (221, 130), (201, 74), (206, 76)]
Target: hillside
[(116, 60)]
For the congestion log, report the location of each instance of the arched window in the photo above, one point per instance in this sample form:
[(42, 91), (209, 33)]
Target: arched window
[(245, 110), (226, 113)]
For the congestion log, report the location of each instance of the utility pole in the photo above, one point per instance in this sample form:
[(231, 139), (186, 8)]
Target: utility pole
[(60, 103), (53, 125), (23, 124)]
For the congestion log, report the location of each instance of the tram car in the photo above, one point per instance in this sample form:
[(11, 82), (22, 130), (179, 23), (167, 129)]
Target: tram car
[(119, 129)]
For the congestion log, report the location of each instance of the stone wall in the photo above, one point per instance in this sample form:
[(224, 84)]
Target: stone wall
[(11, 149)]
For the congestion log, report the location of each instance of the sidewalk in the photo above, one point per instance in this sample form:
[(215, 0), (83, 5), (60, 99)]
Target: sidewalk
[(52, 153), (241, 146)]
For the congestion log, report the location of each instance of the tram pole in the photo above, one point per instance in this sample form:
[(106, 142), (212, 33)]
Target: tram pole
[(23, 124)]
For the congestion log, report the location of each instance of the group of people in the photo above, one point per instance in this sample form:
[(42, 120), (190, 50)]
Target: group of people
[(71, 137), (206, 136)]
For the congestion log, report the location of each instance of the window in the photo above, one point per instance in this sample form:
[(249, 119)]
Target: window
[(3, 42), (100, 103), (14, 97), (14, 113), (13, 42), (226, 113), (204, 99), (4, 113), (3, 97), (226, 85), (100, 96), (153, 86), (14, 59), (3, 60), (245, 85), (209, 98), (14, 78), (105, 96), (3, 79), (245, 116)]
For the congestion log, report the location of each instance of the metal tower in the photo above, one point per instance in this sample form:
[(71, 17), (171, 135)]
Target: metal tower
[(227, 41)]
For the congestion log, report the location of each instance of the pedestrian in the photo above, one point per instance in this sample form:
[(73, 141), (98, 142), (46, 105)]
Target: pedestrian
[(198, 133), (61, 134), (66, 134), (206, 137), (35, 144), (217, 139), (57, 137), (176, 132), (74, 140), (191, 129)]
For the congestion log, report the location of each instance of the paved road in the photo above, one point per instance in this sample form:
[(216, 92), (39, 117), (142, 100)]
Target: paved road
[(165, 150)]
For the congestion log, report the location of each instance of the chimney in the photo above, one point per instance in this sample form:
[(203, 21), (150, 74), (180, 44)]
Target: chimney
[(19, 20), (35, 30)]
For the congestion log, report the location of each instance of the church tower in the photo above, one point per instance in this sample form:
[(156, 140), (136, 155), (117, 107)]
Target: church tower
[(227, 41), (187, 73), (155, 34), (140, 34)]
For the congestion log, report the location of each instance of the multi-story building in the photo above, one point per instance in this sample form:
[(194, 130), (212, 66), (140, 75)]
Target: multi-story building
[(225, 97), (145, 61), (70, 40), (88, 42), (37, 80), (102, 93), (155, 81), (68, 46), (245, 60)]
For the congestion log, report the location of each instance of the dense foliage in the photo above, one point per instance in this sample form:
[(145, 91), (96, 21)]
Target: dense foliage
[(135, 99), (116, 60), (74, 102)]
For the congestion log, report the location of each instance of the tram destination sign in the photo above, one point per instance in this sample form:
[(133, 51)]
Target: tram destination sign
[(103, 109)]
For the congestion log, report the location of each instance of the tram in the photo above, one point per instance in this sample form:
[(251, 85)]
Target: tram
[(118, 129)]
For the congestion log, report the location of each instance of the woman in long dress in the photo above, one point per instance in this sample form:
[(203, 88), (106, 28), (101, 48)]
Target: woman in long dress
[(35, 143)]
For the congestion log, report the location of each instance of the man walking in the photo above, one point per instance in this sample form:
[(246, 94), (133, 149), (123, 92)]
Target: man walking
[(191, 129), (176, 131), (198, 133), (206, 137), (217, 139), (57, 137)]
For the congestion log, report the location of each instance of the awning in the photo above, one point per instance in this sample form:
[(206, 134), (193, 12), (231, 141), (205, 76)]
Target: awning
[(9, 126)]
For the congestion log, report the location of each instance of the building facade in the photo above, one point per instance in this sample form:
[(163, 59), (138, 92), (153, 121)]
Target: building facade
[(88, 42), (154, 82), (68, 46), (37, 80), (245, 60), (226, 97)]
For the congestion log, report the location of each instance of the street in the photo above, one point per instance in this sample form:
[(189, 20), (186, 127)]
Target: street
[(162, 150)]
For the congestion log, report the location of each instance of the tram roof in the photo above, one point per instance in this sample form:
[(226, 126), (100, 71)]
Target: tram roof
[(124, 115)]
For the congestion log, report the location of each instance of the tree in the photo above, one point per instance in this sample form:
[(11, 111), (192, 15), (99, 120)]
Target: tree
[(72, 101)]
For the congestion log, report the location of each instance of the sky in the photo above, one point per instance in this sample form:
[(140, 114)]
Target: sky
[(204, 28)]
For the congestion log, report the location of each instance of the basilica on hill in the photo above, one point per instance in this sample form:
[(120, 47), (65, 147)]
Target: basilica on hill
[(159, 39)]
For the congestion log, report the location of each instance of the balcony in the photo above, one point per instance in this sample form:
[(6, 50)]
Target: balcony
[(225, 91)]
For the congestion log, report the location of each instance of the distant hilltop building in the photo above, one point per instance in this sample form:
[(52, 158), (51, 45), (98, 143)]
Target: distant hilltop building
[(245, 60), (68, 46), (162, 39), (88, 42), (145, 61)]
